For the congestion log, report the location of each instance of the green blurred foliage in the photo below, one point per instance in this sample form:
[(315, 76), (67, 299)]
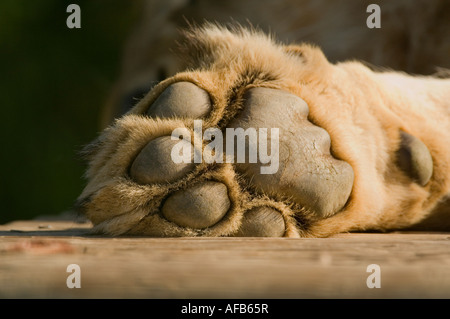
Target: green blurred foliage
[(53, 83)]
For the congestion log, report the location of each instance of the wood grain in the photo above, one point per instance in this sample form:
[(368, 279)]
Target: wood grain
[(34, 256)]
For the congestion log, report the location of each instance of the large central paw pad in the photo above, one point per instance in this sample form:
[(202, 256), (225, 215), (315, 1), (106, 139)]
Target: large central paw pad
[(307, 171), (270, 164)]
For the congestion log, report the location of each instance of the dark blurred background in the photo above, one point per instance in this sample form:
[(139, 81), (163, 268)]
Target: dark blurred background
[(53, 83)]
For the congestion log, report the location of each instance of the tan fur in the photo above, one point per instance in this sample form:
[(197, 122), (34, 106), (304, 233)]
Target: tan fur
[(414, 35), (362, 110)]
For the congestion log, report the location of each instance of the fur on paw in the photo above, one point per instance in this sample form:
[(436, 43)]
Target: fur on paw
[(137, 188), (335, 165)]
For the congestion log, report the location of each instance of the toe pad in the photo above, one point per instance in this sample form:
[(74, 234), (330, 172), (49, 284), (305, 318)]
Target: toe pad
[(415, 159), (199, 206), (181, 99), (262, 222), (155, 165)]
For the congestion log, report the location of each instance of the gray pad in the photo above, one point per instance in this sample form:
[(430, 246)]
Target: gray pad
[(154, 163), (181, 99), (199, 206), (414, 158), (307, 172)]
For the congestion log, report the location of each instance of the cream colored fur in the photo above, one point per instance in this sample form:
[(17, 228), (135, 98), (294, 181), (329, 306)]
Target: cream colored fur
[(414, 36), (362, 110)]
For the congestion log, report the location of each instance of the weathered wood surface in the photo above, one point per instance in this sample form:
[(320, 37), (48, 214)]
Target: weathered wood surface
[(34, 256)]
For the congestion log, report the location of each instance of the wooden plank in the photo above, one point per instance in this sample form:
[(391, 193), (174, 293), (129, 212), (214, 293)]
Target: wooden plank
[(34, 256)]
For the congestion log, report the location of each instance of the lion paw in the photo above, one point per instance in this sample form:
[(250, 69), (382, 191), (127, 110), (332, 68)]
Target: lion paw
[(232, 149), (231, 195)]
